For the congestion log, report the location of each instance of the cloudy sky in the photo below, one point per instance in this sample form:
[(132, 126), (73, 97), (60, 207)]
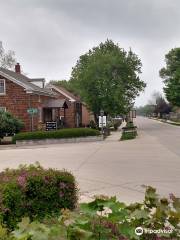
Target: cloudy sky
[(48, 36)]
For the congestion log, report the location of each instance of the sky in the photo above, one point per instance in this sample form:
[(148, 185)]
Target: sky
[(48, 36)]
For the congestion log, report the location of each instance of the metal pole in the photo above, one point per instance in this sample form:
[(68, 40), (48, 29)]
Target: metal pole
[(102, 114), (102, 125), (32, 126)]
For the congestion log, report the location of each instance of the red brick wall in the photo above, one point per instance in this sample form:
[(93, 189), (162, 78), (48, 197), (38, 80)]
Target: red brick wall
[(17, 101), (70, 112), (87, 116)]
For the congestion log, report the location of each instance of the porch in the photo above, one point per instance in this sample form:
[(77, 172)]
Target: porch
[(54, 110)]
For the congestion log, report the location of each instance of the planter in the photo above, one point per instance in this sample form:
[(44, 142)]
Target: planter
[(6, 140), (58, 141)]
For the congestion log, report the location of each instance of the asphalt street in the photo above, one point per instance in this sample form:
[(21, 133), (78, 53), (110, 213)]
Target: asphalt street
[(113, 167)]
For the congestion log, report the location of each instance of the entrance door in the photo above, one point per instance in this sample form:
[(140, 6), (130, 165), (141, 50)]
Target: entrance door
[(47, 112)]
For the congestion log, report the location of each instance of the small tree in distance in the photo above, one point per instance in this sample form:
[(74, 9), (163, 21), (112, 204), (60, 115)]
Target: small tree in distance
[(7, 59)]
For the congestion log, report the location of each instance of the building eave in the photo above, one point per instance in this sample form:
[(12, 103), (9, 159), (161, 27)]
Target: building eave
[(15, 81), (62, 92)]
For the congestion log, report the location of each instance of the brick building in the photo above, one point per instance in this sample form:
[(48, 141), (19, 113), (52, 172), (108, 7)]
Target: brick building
[(77, 113), (19, 93)]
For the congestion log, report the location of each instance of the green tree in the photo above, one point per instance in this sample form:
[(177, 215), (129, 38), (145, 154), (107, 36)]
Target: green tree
[(106, 77), (7, 59), (145, 110), (9, 124), (65, 84), (171, 76)]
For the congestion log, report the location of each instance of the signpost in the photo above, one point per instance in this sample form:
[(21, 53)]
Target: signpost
[(32, 112), (102, 121), (51, 126), (132, 114)]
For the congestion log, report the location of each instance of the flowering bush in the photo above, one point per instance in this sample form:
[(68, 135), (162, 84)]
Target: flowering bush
[(107, 219), (35, 192)]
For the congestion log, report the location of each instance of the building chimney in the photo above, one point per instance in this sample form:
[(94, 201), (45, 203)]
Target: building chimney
[(18, 68)]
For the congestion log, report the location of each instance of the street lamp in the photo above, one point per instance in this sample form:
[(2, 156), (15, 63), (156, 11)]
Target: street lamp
[(101, 113)]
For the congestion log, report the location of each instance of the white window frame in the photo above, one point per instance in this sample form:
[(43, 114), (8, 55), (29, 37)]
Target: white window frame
[(3, 109), (4, 93)]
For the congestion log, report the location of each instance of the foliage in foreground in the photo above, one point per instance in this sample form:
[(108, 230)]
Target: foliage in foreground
[(107, 219), (35, 192), (63, 133), (9, 124)]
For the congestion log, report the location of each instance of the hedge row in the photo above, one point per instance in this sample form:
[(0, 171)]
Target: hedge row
[(35, 192), (63, 133)]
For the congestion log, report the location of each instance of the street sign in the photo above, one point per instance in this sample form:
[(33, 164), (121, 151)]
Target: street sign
[(132, 114), (51, 126), (102, 121), (32, 111)]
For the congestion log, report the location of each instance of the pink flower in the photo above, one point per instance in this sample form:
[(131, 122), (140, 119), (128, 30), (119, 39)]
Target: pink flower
[(62, 185), (22, 180), (172, 197), (61, 194)]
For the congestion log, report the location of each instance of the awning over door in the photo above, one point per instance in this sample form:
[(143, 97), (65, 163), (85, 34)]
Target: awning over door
[(55, 103)]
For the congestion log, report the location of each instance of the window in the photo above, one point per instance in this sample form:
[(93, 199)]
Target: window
[(2, 109), (2, 87)]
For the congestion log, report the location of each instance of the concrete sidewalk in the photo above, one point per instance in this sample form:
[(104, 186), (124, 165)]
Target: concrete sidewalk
[(113, 167)]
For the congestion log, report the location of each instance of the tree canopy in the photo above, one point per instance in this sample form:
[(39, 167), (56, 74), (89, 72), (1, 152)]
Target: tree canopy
[(171, 76), (156, 105), (107, 77), (7, 58)]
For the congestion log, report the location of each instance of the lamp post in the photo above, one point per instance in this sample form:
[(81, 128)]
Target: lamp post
[(101, 114)]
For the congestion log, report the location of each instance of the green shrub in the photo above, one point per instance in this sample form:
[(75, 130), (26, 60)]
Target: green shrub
[(9, 124), (117, 124), (63, 133), (35, 192), (106, 219), (93, 125), (127, 135)]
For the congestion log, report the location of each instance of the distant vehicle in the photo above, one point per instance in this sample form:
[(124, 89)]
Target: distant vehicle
[(118, 117)]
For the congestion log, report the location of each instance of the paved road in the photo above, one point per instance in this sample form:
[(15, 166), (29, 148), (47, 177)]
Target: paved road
[(112, 167)]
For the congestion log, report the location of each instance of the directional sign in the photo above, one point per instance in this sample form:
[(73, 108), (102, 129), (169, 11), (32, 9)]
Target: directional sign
[(32, 111), (102, 121)]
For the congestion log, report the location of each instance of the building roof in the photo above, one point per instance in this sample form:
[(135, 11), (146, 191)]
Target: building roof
[(55, 103), (25, 82), (65, 92)]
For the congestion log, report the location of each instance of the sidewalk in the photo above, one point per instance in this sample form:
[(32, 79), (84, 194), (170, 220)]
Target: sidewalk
[(166, 121), (115, 135)]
